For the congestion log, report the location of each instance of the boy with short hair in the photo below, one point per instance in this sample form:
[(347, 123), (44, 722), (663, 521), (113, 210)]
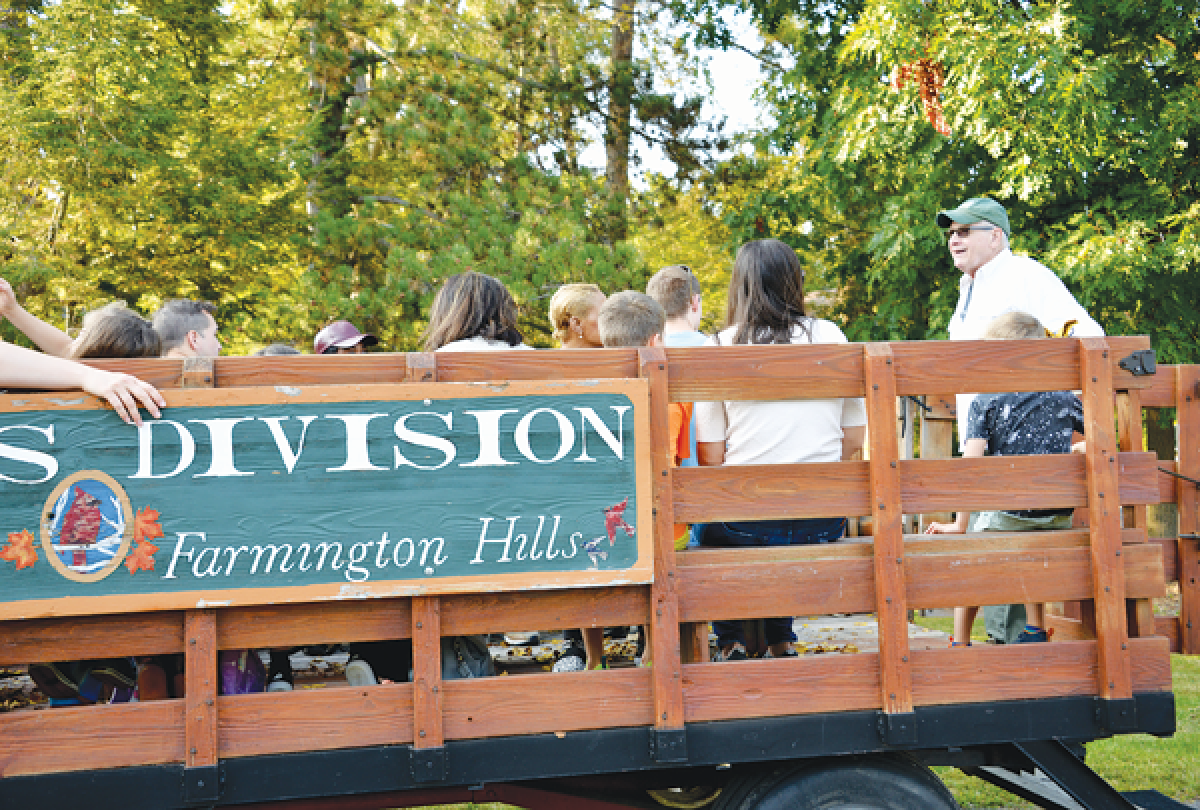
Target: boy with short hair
[(633, 319), (1037, 423)]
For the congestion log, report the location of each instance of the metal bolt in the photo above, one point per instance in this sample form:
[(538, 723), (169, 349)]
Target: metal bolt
[(904, 658), (193, 752), (192, 641), (1099, 494), (1106, 589), (889, 361), (664, 473), (876, 387), (1118, 552), (892, 695), (893, 465), (1104, 355), (422, 733), (661, 366), (1112, 685), (664, 715), (208, 702), (882, 505), (419, 625), (889, 600), (900, 559), (1124, 646), (1093, 379), (435, 690)]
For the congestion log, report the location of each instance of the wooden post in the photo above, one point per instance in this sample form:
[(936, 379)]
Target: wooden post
[(664, 604), (200, 703), (428, 731), (1104, 506), (427, 672), (1187, 414), (1139, 612), (890, 603), (937, 440)]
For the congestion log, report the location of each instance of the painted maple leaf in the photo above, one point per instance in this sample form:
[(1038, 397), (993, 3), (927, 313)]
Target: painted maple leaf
[(142, 557), (20, 549), (146, 525)]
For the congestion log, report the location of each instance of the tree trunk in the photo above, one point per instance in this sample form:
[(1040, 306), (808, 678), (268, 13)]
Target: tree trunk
[(619, 108)]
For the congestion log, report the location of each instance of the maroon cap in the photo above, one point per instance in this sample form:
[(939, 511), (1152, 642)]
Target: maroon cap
[(341, 335)]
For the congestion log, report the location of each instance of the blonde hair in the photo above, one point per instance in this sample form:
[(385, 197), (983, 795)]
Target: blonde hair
[(630, 319), (570, 301), (114, 330), (674, 287), (1014, 326)]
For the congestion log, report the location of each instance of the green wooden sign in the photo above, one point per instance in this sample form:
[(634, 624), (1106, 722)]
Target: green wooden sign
[(252, 496)]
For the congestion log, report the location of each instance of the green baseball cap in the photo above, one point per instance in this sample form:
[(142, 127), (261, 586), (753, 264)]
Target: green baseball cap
[(976, 209)]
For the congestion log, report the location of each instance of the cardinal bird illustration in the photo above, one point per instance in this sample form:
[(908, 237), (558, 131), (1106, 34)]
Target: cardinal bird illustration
[(614, 518), (80, 526)]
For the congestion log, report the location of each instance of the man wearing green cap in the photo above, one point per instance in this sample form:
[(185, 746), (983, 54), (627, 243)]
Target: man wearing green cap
[(994, 282)]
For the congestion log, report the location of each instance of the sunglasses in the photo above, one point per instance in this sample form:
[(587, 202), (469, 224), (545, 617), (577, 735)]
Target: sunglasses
[(965, 231)]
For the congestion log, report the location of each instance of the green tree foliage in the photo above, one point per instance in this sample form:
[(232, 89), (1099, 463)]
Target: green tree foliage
[(298, 161), (1082, 118)]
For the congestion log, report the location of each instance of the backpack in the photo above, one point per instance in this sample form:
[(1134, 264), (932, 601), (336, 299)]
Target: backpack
[(466, 657)]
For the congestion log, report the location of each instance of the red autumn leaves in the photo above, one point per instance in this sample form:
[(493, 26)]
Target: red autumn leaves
[(20, 549), (145, 528), (929, 76)]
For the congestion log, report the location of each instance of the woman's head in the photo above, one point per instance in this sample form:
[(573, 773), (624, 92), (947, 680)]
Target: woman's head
[(766, 293), (472, 305), (114, 330), (574, 309), (1014, 326)]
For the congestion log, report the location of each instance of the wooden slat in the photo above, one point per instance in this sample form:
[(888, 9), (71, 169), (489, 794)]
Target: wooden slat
[(770, 491), (315, 719), (1166, 483), (75, 739), (466, 614), (1150, 664), (427, 672), (323, 623), (1139, 617), (776, 491), (773, 588), (1187, 394), (775, 687), (542, 704), (808, 371), (667, 676), (1168, 627), (1104, 517), (1170, 556), (1130, 439), (924, 367), (80, 638), (560, 364), (1161, 392), (937, 441), (200, 674), (808, 585), (891, 605)]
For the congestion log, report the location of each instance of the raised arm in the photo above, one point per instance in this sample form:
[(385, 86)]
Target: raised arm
[(974, 448), (50, 339), (23, 368)]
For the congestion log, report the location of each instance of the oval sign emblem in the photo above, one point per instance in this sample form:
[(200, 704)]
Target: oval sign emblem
[(87, 526)]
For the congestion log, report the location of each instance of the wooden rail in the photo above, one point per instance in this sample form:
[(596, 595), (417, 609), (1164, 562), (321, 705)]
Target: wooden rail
[(1105, 565)]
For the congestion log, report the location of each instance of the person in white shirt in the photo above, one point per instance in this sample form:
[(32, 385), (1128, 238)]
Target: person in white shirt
[(995, 281), (473, 312), (766, 306)]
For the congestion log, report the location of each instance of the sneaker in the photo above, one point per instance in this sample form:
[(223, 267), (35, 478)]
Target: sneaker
[(573, 659), (735, 653), (359, 673), (280, 685), (1027, 637), (954, 643), (514, 639)]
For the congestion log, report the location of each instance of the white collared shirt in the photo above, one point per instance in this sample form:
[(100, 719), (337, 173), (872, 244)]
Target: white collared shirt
[(1010, 283)]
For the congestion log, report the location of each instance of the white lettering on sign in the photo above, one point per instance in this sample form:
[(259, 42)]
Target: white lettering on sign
[(187, 449), (220, 432), (275, 423), (44, 460), (357, 457), (566, 435), (489, 439), (406, 434), (587, 416)]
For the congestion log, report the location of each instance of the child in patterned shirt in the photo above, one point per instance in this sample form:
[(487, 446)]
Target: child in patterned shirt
[(1037, 423)]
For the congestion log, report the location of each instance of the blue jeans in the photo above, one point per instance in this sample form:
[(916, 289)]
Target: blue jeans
[(766, 533)]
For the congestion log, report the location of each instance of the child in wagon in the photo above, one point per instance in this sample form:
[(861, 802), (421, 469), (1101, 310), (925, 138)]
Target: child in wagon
[(1037, 423)]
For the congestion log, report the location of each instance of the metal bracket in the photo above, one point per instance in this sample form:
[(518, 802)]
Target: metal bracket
[(668, 744), (203, 784), (429, 764), (1117, 715), (1140, 363), (898, 728)]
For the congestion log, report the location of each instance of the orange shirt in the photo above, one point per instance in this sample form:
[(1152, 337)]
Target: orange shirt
[(680, 415)]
